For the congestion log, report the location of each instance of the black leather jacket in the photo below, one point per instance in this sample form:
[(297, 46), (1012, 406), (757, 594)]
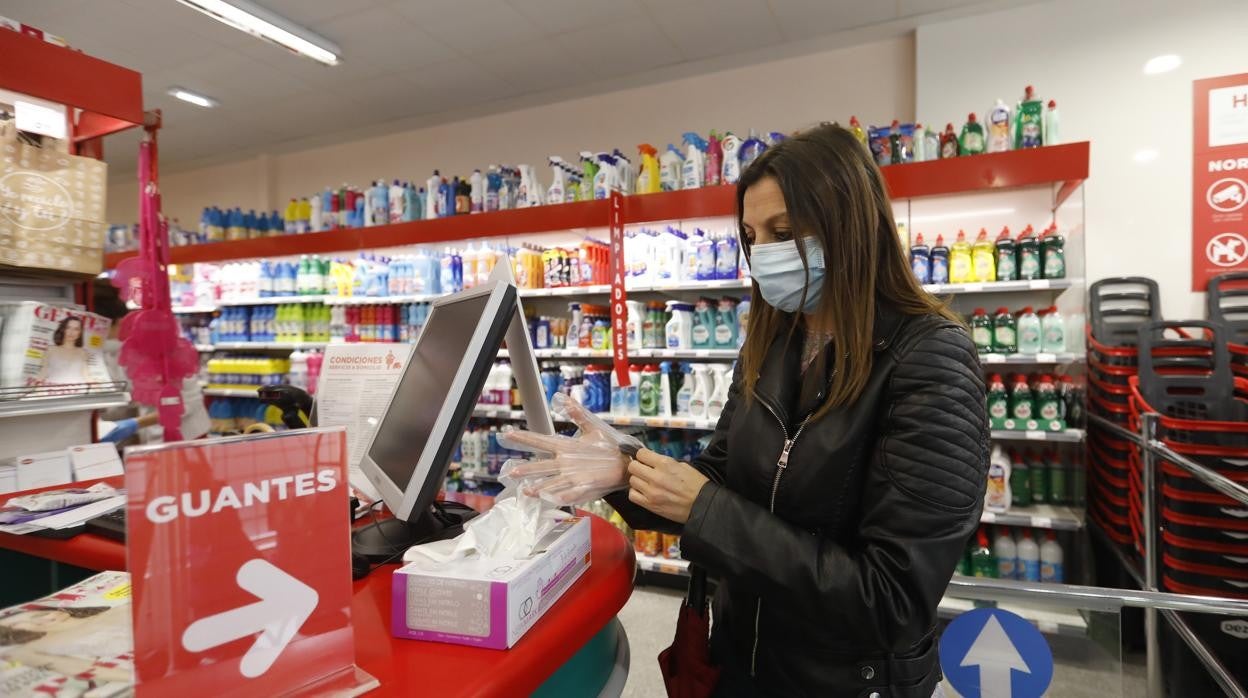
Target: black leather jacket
[(835, 593)]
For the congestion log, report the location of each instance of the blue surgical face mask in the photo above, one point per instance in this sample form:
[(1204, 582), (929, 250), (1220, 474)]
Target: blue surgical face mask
[(777, 267)]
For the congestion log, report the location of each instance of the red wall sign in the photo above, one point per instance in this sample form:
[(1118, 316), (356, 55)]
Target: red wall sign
[(619, 296), (1219, 177), (239, 558)]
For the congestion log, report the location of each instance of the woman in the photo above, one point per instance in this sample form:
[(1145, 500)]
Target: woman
[(848, 467), (65, 362)]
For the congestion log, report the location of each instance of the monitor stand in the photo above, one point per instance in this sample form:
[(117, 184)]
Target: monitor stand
[(387, 539)]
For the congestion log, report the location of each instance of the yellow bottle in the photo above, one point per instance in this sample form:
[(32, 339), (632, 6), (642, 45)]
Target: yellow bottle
[(648, 173), (983, 256), (961, 268)]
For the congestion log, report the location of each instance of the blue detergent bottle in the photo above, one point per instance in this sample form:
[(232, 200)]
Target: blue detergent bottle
[(921, 260)]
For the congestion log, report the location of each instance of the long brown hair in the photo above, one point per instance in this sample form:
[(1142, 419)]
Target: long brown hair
[(834, 193)]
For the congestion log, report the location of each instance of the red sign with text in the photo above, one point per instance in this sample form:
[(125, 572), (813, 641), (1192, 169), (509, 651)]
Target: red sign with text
[(1219, 178), (239, 555), (619, 296)]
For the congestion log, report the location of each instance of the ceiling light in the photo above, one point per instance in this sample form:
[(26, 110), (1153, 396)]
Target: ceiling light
[(259, 22), (1146, 155), (1162, 64), (192, 97), (963, 215)]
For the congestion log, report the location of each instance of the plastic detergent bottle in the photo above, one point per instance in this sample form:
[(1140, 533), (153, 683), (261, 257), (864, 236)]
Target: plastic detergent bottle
[(855, 127), (719, 395), (714, 161), (743, 319), (726, 324), (1022, 403), (949, 143), (921, 260), (1030, 334), (983, 562), (1028, 558), (971, 141), (981, 331), (684, 394), (726, 257), (493, 183), (625, 177), (751, 148), (693, 169), (1028, 121), (1053, 254), (1029, 263), (1007, 260), (670, 165), (558, 180), (919, 147), (999, 127), (731, 147), (931, 144), (703, 326), (606, 179), (997, 494), (1053, 331), (1048, 403), (1004, 332), (940, 261), (1007, 554), (1058, 478), (648, 390), (431, 202), (961, 266), (701, 391), (983, 257), (1020, 481), (1051, 568), (896, 152), (680, 327), (1052, 126), (648, 174), (706, 258)]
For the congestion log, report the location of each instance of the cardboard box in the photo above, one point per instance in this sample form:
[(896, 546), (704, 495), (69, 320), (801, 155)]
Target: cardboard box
[(51, 208), (483, 603)]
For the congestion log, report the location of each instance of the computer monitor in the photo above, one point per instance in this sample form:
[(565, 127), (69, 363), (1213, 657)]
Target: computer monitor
[(429, 408)]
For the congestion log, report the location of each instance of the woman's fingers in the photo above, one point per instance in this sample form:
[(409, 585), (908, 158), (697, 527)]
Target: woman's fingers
[(652, 459), (550, 443)]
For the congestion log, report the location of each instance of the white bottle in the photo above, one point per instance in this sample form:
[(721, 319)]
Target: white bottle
[(503, 391), (1028, 558), (1052, 127), (701, 391), (298, 376), (684, 396), (999, 126), (670, 163), (1053, 331), (719, 396), (431, 195), (316, 223), (467, 455), (665, 390), (369, 218), (731, 168), (636, 312), (530, 189), (1029, 332), (476, 198), (1007, 554), (625, 178), (558, 182), (997, 497), (679, 330), (693, 170), (397, 200), (1051, 568)]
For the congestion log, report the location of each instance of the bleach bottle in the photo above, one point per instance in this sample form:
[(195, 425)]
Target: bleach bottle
[(477, 197), (694, 168), (494, 182), (731, 147), (432, 201), (671, 164)]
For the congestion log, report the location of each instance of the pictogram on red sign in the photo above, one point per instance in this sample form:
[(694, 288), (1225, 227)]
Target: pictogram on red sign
[(240, 560), (1219, 178)]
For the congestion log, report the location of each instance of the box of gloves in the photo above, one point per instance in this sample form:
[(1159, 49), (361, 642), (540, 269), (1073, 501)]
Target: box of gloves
[(488, 602)]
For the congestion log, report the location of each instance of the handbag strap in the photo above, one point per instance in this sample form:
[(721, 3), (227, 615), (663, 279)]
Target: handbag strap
[(695, 596)]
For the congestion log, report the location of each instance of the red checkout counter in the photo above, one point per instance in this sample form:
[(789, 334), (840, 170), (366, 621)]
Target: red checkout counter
[(577, 648)]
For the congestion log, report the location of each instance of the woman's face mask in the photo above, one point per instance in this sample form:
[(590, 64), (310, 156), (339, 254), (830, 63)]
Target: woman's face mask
[(777, 267)]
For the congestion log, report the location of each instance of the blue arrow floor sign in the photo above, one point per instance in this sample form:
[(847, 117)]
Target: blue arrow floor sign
[(990, 653)]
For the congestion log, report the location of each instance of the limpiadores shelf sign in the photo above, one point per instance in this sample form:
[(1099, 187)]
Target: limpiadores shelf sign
[(1219, 178), (239, 554)]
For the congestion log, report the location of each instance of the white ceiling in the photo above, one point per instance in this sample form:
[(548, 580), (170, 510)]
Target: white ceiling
[(408, 61)]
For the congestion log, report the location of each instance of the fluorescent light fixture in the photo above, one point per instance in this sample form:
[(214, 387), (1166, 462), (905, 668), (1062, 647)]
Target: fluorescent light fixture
[(1146, 155), (192, 97), (963, 215), (1162, 64), (270, 26)]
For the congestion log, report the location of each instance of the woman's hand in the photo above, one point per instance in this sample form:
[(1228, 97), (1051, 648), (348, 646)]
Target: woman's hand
[(569, 470), (664, 486)]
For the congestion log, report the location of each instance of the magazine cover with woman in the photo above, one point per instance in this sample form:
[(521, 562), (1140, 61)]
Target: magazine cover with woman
[(53, 347)]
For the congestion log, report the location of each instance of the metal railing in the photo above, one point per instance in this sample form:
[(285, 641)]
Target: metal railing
[(1150, 449)]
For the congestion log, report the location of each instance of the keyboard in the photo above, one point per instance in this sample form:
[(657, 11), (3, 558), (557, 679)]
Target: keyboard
[(111, 525)]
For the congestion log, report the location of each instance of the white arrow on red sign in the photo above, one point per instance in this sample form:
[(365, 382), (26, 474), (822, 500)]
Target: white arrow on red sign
[(285, 604)]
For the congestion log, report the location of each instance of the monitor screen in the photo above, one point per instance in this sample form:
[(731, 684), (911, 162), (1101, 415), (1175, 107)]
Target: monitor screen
[(410, 427)]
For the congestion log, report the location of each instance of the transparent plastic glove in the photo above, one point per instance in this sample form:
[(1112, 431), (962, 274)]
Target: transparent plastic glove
[(569, 470)]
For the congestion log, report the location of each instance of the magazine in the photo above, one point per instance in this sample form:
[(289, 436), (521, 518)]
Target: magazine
[(52, 345)]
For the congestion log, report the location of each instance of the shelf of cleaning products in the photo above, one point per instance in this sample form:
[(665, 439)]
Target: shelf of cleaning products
[(1002, 286), (722, 354), (56, 404), (272, 300), (194, 309), (205, 347), (708, 285), (662, 565), (378, 300), (488, 412), (593, 290), (1062, 167), (1047, 619), (572, 353), (1071, 436), (245, 346), (1054, 516), (230, 392), (1031, 359)]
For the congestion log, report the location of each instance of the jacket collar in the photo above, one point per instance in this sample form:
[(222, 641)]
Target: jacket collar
[(779, 378)]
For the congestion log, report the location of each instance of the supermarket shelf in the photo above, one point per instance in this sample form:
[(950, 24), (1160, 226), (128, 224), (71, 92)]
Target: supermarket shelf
[(1061, 167), (55, 404), (1048, 619), (1068, 436), (1032, 359), (379, 300), (194, 309), (478, 477), (272, 300), (1054, 516), (663, 565), (594, 290), (661, 422), (1003, 286), (572, 353), (691, 286), (231, 392), (725, 354), (205, 347), (245, 346)]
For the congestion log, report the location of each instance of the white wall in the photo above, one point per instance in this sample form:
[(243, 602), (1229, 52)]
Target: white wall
[(1088, 55), (875, 81)]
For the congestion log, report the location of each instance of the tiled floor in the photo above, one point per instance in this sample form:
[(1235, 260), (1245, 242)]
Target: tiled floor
[(1084, 668)]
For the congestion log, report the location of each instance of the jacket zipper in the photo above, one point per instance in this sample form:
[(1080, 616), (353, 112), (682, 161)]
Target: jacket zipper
[(782, 463)]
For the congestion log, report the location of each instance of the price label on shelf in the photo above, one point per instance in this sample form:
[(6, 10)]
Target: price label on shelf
[(1034, 435), (678, 423), (992, 358), (1045, 357), (1041, 522), (972, 288), (988, 517), (1040, 284), (702, 353)]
